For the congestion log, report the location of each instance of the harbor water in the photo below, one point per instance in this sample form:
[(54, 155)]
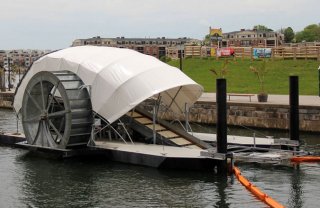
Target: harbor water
[(31, 181)]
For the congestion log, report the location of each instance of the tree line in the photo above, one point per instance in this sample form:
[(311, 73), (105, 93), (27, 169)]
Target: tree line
[(310, 33)]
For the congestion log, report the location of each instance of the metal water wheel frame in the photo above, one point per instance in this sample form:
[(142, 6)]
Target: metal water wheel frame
[(56, 110)]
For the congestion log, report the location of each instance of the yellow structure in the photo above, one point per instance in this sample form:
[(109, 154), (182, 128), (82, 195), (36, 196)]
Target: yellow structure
[(213, 52), (214, 32)]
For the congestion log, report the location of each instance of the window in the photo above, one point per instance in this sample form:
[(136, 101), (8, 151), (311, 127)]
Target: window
[(245, 43), (140, 49), (271, 43)]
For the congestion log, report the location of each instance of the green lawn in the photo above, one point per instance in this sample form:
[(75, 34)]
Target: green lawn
[(241, 80)]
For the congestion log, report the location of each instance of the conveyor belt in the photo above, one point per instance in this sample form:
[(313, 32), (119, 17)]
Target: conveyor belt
[(165, 132)]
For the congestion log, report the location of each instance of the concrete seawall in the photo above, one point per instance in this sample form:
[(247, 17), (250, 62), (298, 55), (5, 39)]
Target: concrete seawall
[(257, 115), (6, 99), (273, 114)]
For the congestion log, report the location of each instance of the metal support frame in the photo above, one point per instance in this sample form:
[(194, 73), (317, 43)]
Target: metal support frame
[(109, 125), (17, 118), (186, 127), (154, 118), (125, 129), (154, 125), (173, 99), (186, 117)]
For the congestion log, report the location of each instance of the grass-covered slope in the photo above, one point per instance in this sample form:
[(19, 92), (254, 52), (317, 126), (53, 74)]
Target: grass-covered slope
[(241, 80)]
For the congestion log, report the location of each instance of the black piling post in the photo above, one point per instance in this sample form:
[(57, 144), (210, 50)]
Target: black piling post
[(294, 108), (180, 57), (221, 99)]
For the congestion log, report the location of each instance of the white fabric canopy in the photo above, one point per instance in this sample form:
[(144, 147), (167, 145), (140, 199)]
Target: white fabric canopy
[(120, 79)]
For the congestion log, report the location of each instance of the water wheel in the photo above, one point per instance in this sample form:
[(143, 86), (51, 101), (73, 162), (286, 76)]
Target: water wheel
[(56, 110)]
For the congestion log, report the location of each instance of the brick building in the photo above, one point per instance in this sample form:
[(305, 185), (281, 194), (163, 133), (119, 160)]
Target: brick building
[(252, 38), (156, 47), (20, 57)]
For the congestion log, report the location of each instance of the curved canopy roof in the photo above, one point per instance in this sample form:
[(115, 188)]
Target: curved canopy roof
[(120, 79)]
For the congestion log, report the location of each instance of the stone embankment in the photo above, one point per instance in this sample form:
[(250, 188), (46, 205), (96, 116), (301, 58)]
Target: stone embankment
[(240, 111), (6, 99), (257, 115)]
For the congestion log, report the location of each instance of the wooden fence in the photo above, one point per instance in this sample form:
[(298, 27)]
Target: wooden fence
[(305, 52), (308, 52), (193, 51)]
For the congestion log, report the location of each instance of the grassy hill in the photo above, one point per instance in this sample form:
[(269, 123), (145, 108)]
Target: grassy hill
[(241, 80)]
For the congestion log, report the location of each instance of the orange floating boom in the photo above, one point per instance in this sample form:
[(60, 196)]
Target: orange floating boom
[(256, 191), (298, 159)]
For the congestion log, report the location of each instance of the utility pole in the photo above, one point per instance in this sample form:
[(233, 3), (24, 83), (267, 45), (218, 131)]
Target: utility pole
[(180, 57), (2, 75), (9, 74), (319, 79)]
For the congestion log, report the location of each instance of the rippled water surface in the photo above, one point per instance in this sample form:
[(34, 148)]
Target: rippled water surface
[(30, 181)]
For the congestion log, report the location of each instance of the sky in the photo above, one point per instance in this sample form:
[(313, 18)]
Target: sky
[(55, 24)]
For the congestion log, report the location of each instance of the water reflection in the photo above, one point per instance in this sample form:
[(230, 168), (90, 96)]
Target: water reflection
[(29, 181), (296, 190), (8, 121), (92, 183), (51, 183), (222, 202), (95, 182)]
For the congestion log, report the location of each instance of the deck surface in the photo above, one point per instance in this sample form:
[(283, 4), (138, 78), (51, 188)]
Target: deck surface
[(151, 149), (232, 139)]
